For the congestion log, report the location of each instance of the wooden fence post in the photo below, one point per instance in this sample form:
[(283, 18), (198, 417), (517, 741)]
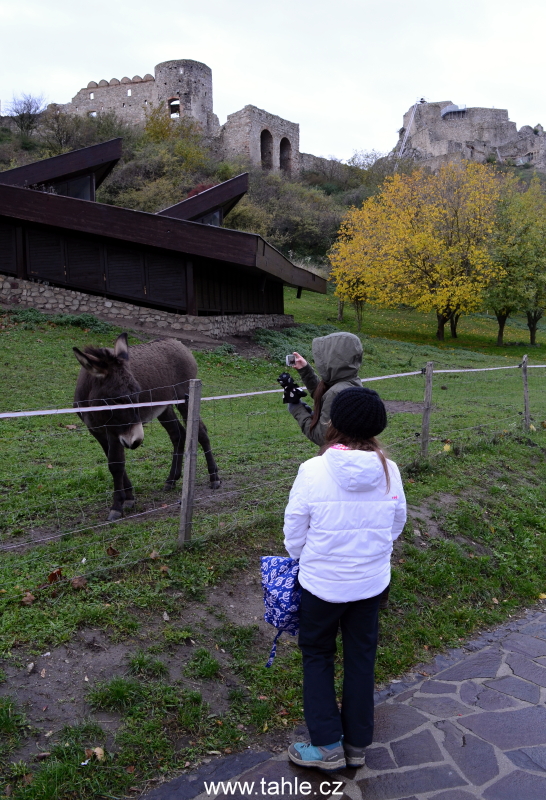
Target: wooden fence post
[(526, 411), (190, 463), (427, 408)]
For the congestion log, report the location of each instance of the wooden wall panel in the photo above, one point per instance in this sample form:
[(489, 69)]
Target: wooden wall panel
[(8, 255), (45, 255), (166, 279), (84, 264), (124, 272)]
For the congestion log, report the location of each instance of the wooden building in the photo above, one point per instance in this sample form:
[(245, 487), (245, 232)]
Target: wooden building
[(180, 259)]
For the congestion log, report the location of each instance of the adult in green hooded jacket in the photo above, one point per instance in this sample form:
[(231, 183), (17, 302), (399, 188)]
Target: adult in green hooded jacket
[(337, 357)]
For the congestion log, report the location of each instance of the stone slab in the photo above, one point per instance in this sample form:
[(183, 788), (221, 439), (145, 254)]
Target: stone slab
[(481, 665), (421, 748), (185, 787), (475, 758), (491, 700), (528, 645), (437, 687), (517, 786), (509, 729), (533, 758), (516, 687), (379, 758), (454, 794), (526, 669), (394, 721), (392, 785), (440, 706), (537, 629)]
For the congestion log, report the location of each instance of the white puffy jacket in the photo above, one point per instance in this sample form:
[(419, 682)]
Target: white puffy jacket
[(341, 523)]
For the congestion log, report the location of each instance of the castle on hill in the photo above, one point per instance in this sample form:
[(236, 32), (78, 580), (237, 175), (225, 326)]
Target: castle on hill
[(433, 133), (184, 87)]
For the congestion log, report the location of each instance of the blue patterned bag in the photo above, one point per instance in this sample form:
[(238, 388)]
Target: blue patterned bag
[(282, 596)]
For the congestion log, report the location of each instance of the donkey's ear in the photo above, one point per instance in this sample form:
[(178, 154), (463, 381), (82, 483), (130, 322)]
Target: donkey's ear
[(90, 363), (121, 348)]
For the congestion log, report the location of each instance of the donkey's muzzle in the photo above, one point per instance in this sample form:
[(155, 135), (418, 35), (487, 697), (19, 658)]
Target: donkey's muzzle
[(132, 438)]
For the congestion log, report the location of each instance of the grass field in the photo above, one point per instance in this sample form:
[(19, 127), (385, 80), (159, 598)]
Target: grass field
[(472, 552)]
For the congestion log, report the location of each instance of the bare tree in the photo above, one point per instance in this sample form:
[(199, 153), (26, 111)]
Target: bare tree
[(25, 112), (58, 130)]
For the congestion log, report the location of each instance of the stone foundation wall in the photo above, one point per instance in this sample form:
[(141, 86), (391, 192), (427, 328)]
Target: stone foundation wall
[(55, 300)]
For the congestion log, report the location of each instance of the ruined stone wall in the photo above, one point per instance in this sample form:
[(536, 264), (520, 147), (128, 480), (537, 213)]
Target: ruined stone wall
[(56, 300), (476, 134), (242, 136), (128, 98)]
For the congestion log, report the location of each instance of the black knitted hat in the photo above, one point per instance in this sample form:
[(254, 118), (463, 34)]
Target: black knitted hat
[(359, 413)]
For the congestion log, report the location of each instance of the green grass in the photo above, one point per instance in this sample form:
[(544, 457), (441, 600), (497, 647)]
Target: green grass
[(492, 547), (202, 665)]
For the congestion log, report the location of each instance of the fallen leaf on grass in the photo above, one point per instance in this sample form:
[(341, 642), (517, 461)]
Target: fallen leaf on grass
[(542, 596), (164, 568), (79, 582), (166, 616), (48, 734), (130, 770), (30, 667), (495, 601), (228, 750), (154, 554), (50, 466), (28, 599), (41, 756), (86, 679), (99, 753), (111, 551), (72, 427), (55, 576), (8, 790), (214, 753), (42, 673), (263, 697), (264, 727), (27, 779)]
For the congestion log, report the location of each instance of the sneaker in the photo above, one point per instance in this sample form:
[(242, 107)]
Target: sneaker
[(354, 755), (327, 760)]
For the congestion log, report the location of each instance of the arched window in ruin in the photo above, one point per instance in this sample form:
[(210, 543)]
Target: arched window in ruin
[(174, 107), (285, 155), (266, 149)]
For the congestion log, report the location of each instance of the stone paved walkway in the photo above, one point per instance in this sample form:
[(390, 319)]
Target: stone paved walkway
[(473, 727)]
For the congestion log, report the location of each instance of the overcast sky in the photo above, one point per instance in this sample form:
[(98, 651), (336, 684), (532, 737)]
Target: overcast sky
[(345, 70)]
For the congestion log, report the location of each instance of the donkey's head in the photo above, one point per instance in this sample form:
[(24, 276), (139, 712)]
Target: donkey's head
[(111, 382)]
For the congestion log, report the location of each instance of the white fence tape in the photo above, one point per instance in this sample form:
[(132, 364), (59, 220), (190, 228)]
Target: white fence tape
[(117, 407)]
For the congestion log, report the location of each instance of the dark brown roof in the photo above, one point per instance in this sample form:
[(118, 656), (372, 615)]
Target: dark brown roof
[(99, 159), (224, 196)]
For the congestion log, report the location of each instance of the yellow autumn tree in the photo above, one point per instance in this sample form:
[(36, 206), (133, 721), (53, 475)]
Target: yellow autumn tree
[(423, 241)]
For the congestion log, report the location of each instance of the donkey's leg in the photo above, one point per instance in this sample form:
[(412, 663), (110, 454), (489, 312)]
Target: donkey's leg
[(177, 435), (204, 441), (116, 465), (102, 439)]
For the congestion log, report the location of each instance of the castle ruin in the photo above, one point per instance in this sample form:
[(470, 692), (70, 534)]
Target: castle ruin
[(184, 88), (433, 133)]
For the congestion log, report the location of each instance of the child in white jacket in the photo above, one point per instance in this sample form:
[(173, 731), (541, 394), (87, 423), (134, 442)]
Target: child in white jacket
[(346, 508)]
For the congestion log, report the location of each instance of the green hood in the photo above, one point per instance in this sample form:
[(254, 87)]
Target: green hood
[(338, 356)]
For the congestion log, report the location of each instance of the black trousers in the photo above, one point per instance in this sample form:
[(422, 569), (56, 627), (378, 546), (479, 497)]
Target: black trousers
[(319, 623)]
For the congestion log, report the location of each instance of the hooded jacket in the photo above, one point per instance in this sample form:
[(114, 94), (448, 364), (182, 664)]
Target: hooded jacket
[(341, 522), (338, 357)]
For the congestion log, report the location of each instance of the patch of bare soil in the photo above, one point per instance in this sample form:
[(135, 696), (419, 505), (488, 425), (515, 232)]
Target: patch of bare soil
[(427, 523), (52, 687)]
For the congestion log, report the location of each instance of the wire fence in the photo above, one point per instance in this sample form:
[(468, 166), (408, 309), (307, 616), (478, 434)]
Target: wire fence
[(55, 487)]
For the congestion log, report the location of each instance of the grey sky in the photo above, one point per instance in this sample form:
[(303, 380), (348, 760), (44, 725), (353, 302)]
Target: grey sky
[(345, 70)]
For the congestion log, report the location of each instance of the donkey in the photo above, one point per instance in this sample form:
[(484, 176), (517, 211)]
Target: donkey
[(155, 371)]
